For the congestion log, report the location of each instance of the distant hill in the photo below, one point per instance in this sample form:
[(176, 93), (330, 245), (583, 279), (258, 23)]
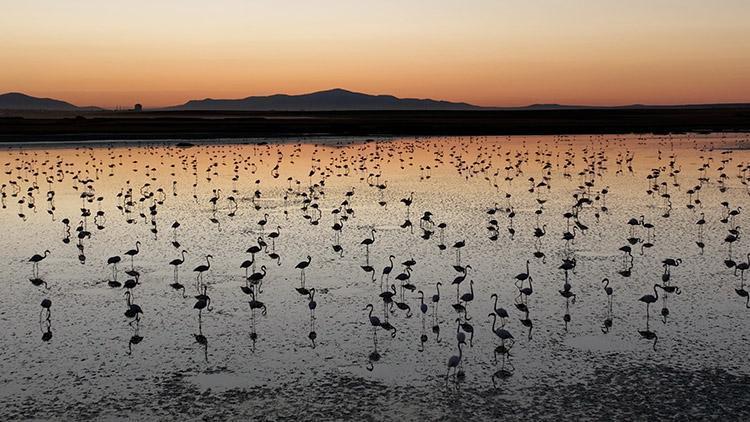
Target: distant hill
[(18, 101), (343, 100), (334, 99), (329, 100)]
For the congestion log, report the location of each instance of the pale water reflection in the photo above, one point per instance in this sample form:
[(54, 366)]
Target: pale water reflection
[(334, 278)]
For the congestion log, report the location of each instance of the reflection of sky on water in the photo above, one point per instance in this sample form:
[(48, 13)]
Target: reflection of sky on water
[(94, 353)]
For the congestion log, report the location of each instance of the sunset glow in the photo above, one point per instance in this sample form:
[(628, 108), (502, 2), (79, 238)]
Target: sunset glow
[(482, 52)]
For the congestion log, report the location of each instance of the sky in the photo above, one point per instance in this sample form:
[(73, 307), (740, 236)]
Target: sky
[(486, 52)]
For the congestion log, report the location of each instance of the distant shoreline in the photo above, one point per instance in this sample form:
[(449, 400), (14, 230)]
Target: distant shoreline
[(189, 143), (150, 126)]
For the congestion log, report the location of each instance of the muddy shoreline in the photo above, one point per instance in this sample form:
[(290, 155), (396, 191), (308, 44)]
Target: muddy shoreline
[(614, 392)]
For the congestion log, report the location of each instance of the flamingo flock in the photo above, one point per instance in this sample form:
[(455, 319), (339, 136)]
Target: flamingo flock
[(273, 199)]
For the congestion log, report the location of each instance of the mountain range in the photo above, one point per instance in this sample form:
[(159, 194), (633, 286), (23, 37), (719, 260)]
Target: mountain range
[(19, 101), (333, 99), (329, 100)]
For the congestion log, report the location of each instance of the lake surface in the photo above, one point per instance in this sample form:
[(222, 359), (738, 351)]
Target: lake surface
[(576, 352)]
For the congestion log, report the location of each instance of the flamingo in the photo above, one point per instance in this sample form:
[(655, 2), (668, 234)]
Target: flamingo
[(177, 262), (422, 305), (113, 261), (501, 332), (367, 242), (301, 266), (523, 276), (203, 268), (387, 270), (454, 361), (133, 252), (35, 260), (741, 292), (501, 312), (649, 299), (468, 297)]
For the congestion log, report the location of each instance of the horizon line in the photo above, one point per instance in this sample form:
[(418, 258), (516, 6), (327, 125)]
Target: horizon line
[(457, 102)]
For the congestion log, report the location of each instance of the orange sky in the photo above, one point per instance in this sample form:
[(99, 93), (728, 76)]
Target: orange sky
[(487, 52)]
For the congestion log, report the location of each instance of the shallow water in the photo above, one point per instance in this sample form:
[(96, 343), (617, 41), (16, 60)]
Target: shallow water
[(693, 362)]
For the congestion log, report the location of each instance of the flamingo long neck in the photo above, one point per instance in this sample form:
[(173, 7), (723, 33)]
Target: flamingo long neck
[(460, 352), (208, 262), (370, 314), (527, 262), (437, 287), (494, 320)]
